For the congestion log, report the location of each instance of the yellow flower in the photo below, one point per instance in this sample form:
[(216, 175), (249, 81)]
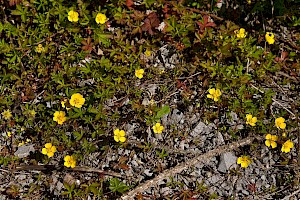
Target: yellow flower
[(59, 117), (161, 71), (119, 135), (49, 150), (241, 33), (100, 18), (251, 120), (214, 94), (244, 161), (286, 147), (21, 143), (77, 100), (139, 73), (284, 134), (39, 48), (63, 104), (69, 161), (8, 134), (279, 123), (158, 128), (152, 102), (32, 113), (148, 53), (6, 114), (270, 37), (271, 140), (73, 16)]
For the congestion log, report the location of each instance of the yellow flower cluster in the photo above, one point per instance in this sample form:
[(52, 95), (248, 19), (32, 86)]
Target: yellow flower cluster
[(39, 48), (49, 150), (73, 16), (76, 100), (241, 33), (271, 140), (24, 142)]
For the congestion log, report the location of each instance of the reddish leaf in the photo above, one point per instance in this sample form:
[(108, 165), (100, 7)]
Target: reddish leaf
[(205, 24), (252, 187), (150, 22), (87, 44), (283, 57), (129, 3)]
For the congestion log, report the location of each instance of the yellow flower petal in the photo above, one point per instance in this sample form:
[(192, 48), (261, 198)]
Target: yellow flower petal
[(44, 151), (273, 144), (268, 143), (122, 139), (116, 138)]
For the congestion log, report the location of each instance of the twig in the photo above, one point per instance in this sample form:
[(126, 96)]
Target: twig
[(183, 166), (275, 101), (206, 13), (289, 196), (180, 78), (56, 167)]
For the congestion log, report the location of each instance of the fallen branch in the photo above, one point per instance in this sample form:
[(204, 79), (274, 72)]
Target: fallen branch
[(183, 166), (55, 167)]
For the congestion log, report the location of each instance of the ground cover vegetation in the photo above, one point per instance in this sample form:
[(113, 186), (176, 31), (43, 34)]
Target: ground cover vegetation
[(82, 78)]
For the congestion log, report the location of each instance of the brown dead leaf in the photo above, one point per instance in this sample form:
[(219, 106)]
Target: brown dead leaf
[(150, 22)]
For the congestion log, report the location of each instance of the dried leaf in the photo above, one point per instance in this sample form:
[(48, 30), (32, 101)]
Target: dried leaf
[(150, 22), (69, 179)]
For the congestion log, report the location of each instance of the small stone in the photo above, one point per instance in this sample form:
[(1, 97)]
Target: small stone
[(147, 172), (198, 129), (245, 192), (24, 151), (176, 116), (228, 160), (214, 179)]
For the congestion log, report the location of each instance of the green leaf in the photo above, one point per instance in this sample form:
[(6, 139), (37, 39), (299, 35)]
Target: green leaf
[(164, 110), (115, 185)]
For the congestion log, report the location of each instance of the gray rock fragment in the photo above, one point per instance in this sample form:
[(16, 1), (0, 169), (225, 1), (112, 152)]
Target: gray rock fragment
[(147, 172), (228, 160), (176, 116), (24, 151), (198, 129)]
